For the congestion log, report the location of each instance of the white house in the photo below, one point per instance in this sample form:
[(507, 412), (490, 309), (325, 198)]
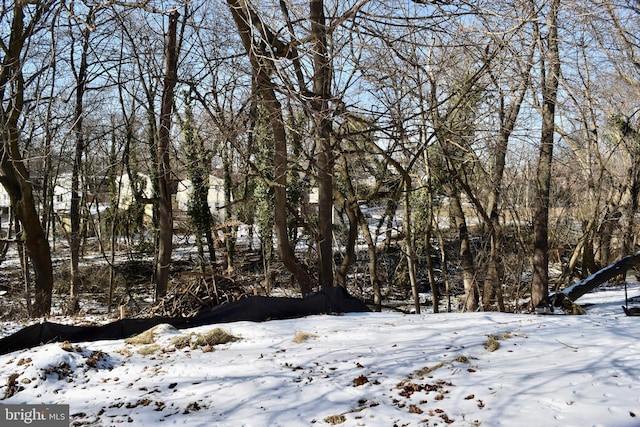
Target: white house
[(62, 194), (93, 189), (127, 192), (215, 195), (5, 207), (94, 196), (5, 202)]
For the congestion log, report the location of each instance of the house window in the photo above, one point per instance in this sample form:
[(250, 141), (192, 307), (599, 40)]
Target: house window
[(59, 198)]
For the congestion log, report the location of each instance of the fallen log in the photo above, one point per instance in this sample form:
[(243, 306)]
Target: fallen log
[(632, 311), (585, 286)]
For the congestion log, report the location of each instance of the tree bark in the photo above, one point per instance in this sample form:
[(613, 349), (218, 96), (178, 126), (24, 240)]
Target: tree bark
[(466, 255), (550, 76), (435, 292), (325, 159), (351, 204), (76, 191), (165, 214), (261, 64), (373, 262), (407, 228), (352, 210), (229, 229), (15, 176)]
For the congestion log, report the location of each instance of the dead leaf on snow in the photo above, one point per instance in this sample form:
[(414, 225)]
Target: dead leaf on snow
[(335, 419), (415, 410), (360, 381)]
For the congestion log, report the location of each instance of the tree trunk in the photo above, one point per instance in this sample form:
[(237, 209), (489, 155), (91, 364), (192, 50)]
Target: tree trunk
[(466, 255), (435, 292), (492, 285), (604, 233), (261, 65), (165, 214), (229, 230), (76, 195), (352, 210), (351, 203), (325, 159), (407, 228), (285, 251), (550, 76), (373, 262), (38, 250), (492, 282), (444, 266), (115, 187), (633, 176), (15, 177)]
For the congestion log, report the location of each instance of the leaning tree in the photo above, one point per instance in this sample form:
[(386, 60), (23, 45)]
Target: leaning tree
[(24, 20)]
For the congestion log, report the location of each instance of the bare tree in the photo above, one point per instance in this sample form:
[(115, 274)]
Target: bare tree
[(24, 20), (549, 75), (262, 64), (80, 72), (322, 120), (165, 216)]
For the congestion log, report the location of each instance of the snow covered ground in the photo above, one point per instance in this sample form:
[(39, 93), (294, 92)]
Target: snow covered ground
[(374, 369)]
